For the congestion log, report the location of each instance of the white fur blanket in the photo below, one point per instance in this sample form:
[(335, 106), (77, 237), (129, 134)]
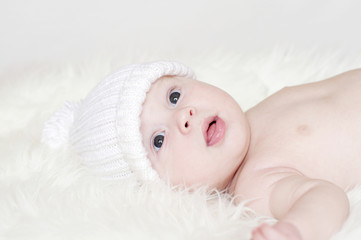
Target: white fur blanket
[(47, 194)]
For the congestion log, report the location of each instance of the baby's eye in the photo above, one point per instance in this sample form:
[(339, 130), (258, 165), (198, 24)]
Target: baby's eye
[(174, 97), (158, 141)]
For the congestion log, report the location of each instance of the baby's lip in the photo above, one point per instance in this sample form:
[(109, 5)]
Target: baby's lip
[(213, 130)]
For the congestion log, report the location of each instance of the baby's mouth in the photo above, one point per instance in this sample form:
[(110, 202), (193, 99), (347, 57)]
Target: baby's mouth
[(213, 130)]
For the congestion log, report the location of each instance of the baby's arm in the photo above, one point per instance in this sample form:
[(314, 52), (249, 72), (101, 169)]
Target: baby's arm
[(306, 208)]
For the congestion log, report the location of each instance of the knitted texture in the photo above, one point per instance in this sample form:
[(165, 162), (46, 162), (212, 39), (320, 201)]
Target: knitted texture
[(56, 129), (104, 129)]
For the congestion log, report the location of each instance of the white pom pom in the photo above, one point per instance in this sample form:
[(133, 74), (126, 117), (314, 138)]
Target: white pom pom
[(56, 129)]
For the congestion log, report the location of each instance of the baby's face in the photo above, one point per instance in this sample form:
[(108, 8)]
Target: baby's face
[(194, 133)]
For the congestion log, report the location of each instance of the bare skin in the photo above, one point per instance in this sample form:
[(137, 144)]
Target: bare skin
[(305, 152), (302, 151)]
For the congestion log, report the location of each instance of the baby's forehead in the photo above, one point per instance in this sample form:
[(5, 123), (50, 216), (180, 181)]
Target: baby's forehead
[(167, 78), (165, 81)]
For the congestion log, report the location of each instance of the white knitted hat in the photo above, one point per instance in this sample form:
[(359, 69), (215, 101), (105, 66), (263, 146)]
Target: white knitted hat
[(104, 128)]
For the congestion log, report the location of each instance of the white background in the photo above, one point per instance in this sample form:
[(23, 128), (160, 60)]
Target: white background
[(39, 31)]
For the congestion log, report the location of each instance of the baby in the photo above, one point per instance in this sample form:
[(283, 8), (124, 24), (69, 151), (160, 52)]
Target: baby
[(292, 155)]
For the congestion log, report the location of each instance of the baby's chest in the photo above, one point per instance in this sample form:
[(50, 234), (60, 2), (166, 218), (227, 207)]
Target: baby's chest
[(330, 151), (318, 139)]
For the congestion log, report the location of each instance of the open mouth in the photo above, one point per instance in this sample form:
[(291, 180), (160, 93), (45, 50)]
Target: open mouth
[(213, 130)]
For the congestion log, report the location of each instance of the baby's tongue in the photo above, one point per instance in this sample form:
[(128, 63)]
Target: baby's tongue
[(211, 131)]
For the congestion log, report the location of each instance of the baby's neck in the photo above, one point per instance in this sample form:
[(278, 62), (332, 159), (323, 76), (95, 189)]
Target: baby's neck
[(233, 182)]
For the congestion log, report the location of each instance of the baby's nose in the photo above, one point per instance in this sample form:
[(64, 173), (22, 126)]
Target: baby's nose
[(184, 119)]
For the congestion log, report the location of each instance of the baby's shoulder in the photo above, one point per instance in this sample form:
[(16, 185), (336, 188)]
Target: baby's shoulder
[(340, 84), (351, 74), (349, 79), (255, 185)]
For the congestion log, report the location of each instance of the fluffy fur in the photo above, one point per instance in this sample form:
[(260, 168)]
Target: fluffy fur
[(47, 194)]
